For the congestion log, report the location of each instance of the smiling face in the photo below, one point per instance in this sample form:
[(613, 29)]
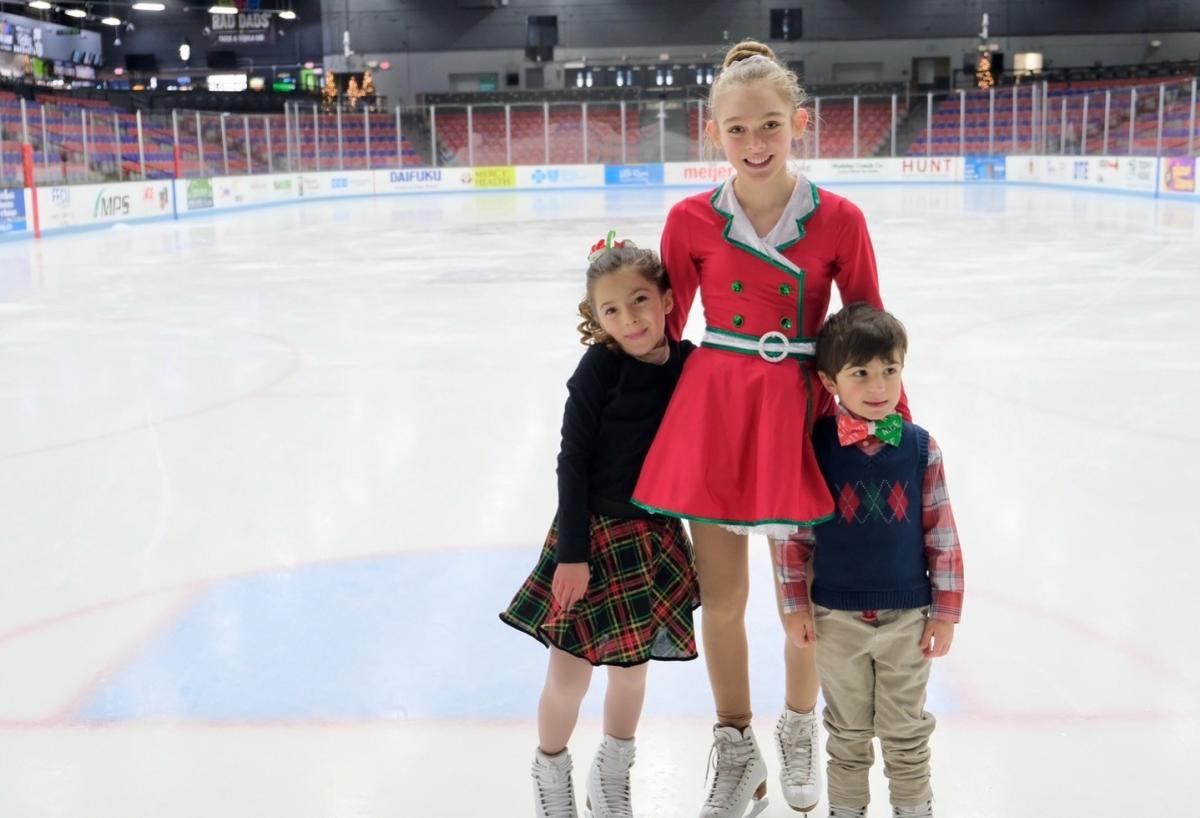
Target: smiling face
[(870, 390), (755, 126), (632, 310)]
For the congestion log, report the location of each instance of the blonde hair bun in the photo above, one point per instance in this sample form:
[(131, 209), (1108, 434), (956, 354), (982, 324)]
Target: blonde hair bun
[(747, 49)]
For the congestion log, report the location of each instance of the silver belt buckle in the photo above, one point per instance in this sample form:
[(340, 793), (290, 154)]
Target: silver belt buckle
[(769, 357)]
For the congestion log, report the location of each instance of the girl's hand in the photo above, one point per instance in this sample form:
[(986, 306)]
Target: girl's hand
[(570, 583)]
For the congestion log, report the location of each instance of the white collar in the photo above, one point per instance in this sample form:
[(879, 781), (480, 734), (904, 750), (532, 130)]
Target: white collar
[(800, 206)]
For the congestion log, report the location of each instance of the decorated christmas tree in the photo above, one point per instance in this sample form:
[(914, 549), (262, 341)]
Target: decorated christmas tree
[(368, 88), (329, 92)]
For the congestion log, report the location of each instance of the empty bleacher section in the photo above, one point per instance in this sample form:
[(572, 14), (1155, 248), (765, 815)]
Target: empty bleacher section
[(554, 133), (81, 140), (1020, 127)]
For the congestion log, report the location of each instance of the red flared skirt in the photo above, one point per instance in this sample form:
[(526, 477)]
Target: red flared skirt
[(734, 446)]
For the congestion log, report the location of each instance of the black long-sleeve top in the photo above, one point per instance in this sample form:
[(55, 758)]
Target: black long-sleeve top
[(614, 406)]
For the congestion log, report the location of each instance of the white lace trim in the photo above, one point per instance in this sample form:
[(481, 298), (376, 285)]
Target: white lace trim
[(774, 531)]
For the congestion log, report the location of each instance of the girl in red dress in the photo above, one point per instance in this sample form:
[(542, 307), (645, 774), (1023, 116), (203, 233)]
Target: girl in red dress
[(733, 454)]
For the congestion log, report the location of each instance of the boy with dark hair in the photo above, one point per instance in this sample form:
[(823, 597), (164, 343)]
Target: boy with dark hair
[(887, 570)]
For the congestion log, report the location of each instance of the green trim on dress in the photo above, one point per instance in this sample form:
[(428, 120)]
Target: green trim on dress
[(693, 518)]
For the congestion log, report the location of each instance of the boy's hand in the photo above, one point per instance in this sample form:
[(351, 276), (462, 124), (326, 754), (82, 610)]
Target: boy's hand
[(570, 583), (936, 639), (799, 628)]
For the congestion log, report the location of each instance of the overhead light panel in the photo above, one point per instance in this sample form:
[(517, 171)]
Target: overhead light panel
[(148, 6), (223, 10), (40, 5), (111, 21), (287, 15), (77, 13)]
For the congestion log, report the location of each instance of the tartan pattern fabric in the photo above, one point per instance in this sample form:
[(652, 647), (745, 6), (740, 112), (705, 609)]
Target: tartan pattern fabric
[(639, 600), (943, 553)]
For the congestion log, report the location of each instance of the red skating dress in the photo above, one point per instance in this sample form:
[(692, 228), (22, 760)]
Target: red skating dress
[(733, 447)]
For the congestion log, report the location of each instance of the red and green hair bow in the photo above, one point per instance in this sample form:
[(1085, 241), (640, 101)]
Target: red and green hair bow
[(607, 243)]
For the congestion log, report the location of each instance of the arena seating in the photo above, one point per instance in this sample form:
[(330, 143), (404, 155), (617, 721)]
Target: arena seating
[(944, 137), (61, 155)]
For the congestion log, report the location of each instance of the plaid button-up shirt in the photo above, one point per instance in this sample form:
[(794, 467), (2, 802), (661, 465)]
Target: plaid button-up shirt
[(942, 551)]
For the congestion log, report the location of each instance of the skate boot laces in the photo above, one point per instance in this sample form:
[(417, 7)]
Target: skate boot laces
[(612, 774), (555, 794), (727, 762), (795, 737)]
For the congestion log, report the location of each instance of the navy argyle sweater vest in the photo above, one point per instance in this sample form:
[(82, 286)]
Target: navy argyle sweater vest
[(871, 555)]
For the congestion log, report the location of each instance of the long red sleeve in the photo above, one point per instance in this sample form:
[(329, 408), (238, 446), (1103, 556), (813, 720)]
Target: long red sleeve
[(682, 271)]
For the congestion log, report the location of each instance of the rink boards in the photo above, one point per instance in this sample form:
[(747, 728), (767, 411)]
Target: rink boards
[(77, 207)]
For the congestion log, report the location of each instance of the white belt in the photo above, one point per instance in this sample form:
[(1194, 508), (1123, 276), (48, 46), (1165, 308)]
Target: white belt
[(772, 347)]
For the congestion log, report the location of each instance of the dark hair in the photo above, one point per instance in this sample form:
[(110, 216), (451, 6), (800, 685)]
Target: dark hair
[(645, 262), (858, 334)]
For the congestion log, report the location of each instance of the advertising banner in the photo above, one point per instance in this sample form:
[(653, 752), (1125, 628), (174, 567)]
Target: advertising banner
[(701, 174), (552, 176), (12, 210), (494, 178), (984, 169), (1178, 174), (423, 180), (633, 175), (337, 183), (85, 205), (246, 28)]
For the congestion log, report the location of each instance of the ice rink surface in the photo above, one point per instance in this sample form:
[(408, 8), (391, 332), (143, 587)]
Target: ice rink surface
[(267, 478)]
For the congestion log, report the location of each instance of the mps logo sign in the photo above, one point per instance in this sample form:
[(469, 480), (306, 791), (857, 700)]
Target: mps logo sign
[(111, 205)]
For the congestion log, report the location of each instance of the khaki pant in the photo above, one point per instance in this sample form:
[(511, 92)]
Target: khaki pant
[(874, 677)]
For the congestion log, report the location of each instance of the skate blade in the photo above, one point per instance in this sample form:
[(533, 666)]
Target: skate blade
[(757, 806)]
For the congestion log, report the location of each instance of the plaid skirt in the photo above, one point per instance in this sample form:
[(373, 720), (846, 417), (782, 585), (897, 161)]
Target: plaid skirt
[(639, 601)]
